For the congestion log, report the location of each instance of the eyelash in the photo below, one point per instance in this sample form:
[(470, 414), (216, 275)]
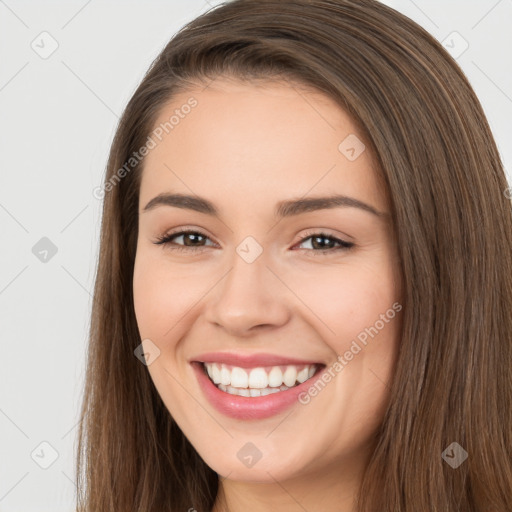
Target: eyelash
[(166, 240)]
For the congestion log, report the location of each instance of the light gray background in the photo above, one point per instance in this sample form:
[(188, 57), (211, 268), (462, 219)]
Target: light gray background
[(58, 116)]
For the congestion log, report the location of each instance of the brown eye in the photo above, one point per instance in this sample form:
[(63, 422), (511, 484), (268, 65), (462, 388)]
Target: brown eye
[(322, 243), (191, 239), (319, 245)]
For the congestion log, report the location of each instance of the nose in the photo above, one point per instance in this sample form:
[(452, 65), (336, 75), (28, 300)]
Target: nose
[(248, 299)]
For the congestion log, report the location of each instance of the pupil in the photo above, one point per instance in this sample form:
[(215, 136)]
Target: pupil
[(192, 236), (321, 246)]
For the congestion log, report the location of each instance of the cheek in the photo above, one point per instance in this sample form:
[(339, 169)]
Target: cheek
[(163, 296), (349, 299)]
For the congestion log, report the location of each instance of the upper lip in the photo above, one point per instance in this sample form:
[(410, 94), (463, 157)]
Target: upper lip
[(250, 360)]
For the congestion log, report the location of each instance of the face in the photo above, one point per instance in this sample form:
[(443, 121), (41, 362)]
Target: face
[(302, 286)]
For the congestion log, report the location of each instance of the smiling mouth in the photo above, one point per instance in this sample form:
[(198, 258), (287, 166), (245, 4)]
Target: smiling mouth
[(258, 381)]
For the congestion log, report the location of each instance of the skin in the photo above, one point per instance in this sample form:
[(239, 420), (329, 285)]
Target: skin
[(245, 147)]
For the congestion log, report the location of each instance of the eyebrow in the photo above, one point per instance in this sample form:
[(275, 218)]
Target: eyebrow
[(286, 208)]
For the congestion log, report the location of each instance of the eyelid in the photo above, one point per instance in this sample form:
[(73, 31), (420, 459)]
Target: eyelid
[(327, 233), (184, 230), (319, 232)]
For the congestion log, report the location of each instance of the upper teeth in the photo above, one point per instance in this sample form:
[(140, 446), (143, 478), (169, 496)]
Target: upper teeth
[(261, 377)]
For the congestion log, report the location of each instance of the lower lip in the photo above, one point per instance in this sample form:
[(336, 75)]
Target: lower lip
[(249, 408)]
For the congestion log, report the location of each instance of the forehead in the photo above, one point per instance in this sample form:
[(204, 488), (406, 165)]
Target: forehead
[(258, 143)]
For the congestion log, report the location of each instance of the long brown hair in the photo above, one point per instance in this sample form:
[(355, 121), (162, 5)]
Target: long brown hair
[(453, 221)]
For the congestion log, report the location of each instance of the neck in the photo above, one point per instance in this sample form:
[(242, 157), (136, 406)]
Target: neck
[(331, 490)]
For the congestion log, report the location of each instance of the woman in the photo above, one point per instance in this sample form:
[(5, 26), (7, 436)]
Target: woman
[(305, 277)]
